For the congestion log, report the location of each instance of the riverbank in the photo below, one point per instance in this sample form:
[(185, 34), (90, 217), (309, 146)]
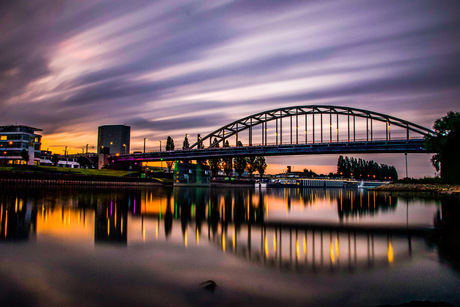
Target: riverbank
[(51, 176), (435, 188)]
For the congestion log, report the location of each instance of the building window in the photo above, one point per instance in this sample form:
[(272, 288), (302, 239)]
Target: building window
[(3, 138)]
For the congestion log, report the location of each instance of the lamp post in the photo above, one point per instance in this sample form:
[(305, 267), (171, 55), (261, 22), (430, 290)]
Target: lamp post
[(144, 144), (160, 145)]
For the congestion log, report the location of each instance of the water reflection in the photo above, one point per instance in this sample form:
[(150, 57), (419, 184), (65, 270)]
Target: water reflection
[(270, 227), (17, 219)]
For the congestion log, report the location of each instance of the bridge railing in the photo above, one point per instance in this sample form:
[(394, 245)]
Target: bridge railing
[(274, 144)]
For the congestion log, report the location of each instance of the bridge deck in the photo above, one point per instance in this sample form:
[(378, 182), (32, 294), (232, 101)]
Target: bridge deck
[(391, 146)]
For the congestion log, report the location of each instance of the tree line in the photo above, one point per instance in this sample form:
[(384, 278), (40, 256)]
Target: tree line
[(362, 169), (239, 164)]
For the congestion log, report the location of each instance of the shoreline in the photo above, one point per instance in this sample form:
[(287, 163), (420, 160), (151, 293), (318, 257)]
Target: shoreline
[(434, 188)]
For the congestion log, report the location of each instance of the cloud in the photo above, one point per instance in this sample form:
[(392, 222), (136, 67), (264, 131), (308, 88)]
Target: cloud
[(72, 66)]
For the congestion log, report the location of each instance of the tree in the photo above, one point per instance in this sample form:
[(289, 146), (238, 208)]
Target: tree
[(240, 163), (261, 165), (84, 162), (215, 163), (227, 163), (55, 159), (169, 164), (362, 169), (185, 144), (446, 143), (25, 155), (252, 165), (200, 142), (169, 144)]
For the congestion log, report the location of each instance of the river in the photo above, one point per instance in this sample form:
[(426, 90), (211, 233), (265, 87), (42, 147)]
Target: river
[(155, 246)]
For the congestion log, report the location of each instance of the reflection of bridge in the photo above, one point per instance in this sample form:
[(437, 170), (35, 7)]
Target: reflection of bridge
[(313, 129)]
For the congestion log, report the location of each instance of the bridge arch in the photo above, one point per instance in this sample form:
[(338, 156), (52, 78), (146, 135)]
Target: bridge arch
[(314, 132)]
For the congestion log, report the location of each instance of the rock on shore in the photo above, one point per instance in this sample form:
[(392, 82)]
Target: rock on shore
[(420, 187)]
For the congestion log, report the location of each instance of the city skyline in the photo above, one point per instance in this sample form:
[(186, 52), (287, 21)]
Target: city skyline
[(175, 68)]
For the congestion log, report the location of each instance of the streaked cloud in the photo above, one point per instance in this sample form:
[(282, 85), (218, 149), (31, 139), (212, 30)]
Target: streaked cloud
[(176, 67)]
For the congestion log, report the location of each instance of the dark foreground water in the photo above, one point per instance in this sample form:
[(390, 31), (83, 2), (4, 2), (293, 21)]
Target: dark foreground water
[(154, 246)]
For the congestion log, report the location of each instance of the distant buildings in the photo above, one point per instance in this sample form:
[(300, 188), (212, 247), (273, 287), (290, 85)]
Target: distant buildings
[(113, 139), (14, 140)]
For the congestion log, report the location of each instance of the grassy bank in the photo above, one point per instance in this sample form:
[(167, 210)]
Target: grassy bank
[(58, 173), (63, 171)]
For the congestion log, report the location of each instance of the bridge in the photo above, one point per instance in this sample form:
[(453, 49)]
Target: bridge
[(302, 130)]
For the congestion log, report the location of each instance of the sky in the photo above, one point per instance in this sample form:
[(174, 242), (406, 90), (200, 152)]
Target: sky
[(170, 68)]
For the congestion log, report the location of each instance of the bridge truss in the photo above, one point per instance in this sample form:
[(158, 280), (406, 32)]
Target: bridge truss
[(326, 130), (313, 119)]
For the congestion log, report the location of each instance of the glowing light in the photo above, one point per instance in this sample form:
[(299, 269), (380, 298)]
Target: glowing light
[(185, 238), (108, 227), (305, 245), (6, 222), (223, 242), (197, 236), (266, 246), (297, 248), (337, 247), (234, 239), (390, 253), (332, 254), (274, 243)]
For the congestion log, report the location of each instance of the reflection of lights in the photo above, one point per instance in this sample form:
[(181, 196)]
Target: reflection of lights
[(223, 242), (332, 254), (274, 243), (266, 246), (197, 236), (143, 234), (297, 248), (108, 227), (305, 245), (121, 225), (390, 252), (6, 222), (337, 247), (234, 239), (156, 230), (185, 238)]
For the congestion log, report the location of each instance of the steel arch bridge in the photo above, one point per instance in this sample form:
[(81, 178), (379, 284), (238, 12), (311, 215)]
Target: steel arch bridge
[(311, 129), (312, 112)]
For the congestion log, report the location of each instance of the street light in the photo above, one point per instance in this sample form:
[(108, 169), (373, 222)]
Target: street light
[(124, 148), (144, 144), (160, 145)]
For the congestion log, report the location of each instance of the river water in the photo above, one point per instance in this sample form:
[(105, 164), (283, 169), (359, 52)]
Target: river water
[(155, 246)]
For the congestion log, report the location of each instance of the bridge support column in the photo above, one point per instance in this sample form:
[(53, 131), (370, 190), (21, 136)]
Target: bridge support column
[(297, 126), (337, 128), (306, 128), (348, 126), (313, 114), (276, 132), (250, 133), (321, 127), (330, 127), (236, 134), (281, 128)]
